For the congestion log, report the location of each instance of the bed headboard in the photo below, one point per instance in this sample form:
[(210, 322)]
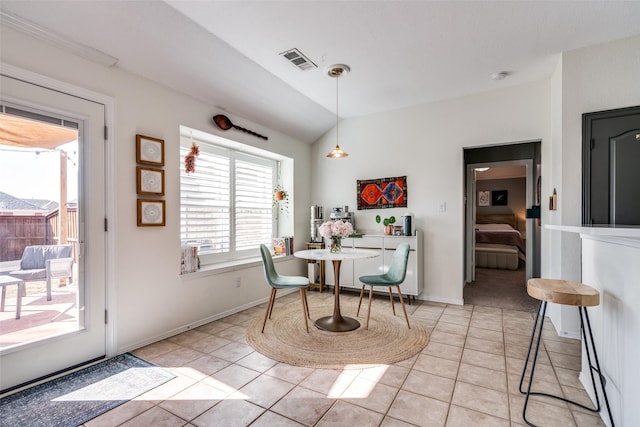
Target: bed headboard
[(498, 218)]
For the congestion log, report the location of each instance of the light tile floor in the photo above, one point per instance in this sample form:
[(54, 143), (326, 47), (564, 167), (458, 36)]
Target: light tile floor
[(467, 375)]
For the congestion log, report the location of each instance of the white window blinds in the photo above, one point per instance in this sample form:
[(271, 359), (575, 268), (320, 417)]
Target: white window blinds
[(225, 205)]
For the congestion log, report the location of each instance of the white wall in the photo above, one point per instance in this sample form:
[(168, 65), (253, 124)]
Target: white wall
[(426, 143), (594, 78), (148, 300)]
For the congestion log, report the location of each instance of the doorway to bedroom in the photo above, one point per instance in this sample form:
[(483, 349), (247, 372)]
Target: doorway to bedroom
[(502, 244)]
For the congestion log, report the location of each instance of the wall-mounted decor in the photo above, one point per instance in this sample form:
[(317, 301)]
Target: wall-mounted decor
[(149, 151), (499, 198), (382, 193), (553, 201), (151, 213), (190, 159), (484, 198), (224, 123), (150, 181)]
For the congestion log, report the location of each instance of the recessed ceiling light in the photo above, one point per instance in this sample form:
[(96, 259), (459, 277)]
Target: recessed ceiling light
[(500, 75)]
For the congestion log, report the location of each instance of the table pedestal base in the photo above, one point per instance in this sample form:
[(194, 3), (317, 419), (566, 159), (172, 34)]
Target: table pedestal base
[(340, 324)]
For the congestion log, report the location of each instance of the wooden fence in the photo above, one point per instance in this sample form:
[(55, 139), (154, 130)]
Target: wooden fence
[(20, 231)]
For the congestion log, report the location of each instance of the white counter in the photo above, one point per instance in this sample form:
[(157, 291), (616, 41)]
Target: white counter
[(601, 231), (611, 264)]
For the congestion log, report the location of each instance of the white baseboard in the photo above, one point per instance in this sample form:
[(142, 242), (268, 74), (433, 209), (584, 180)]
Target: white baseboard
[(442, 300), (199, 323), (566, 334)]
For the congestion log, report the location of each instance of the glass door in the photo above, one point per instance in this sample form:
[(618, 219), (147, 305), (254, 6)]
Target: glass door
[(52, 251)]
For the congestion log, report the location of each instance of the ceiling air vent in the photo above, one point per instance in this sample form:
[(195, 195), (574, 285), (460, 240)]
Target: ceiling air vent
[(298, 59)]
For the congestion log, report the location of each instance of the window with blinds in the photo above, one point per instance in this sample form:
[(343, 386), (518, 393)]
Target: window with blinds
[(226, 204)]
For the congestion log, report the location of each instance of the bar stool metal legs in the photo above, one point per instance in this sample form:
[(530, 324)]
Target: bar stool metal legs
[(585, 325)]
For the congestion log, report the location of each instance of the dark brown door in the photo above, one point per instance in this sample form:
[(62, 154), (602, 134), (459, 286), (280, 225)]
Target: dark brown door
[(611, 167)]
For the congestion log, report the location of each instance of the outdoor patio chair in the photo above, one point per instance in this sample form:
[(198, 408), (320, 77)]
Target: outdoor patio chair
[(277, 281), (41, 263), (393, 277)]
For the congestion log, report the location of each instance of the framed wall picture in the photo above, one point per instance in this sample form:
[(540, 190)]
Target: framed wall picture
[(151, 213), (499, 198), (149, 151), (150, 181), (484, 198), (382, 193)]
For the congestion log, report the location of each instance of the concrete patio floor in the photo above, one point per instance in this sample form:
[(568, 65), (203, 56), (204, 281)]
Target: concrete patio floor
[(39, 318)]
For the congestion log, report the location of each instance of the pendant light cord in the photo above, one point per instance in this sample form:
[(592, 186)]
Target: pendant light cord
[(337, 71), (337, 114)]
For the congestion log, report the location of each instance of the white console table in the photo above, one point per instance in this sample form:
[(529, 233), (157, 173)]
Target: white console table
[(611, 264), (385, 245)]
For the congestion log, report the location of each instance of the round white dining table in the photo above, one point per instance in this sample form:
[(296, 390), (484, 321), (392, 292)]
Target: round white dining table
[(336, 322)]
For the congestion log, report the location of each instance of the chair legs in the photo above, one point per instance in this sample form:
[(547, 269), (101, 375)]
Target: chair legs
[(392, 304), (403, 307), (369, 309), (305, 307), (360, 301), (267, 314), (271, 303), (48, 288)]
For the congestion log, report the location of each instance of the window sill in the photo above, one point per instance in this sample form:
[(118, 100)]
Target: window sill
[(225, 267)]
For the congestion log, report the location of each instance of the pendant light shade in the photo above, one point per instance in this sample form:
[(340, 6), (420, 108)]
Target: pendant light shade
[(337, 71), (337, 153)]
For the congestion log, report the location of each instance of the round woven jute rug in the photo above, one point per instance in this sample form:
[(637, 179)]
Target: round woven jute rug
[(387, 341)]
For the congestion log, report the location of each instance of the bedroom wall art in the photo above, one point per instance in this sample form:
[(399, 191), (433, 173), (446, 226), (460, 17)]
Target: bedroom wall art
[(484, 198), (382, 193), (499, 198)]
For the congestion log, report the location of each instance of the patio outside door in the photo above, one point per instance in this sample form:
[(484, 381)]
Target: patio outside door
[(38, 355)]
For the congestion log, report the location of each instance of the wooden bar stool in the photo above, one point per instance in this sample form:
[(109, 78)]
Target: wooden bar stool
[(567, 293)]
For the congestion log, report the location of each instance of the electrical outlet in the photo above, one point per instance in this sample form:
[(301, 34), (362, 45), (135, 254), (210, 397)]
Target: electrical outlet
[(238, 282), (442, 206)]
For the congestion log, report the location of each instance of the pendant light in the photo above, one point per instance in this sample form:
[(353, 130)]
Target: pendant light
[(337, 71)]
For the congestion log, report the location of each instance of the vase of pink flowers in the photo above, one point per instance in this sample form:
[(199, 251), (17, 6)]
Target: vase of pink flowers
[(335, 231)]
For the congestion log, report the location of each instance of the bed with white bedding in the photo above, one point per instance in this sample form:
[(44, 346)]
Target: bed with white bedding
[(498, 242)]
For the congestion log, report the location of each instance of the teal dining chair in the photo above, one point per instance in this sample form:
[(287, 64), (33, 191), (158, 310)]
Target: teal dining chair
[(277, 281), (393, 277)]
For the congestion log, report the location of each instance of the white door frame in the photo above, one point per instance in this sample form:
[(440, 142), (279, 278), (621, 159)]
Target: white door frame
[(109, 150), (471, 213)]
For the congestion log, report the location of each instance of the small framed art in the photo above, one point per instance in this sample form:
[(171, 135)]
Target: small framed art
[(149, 151), (484, 198), (150, 181), (151, 213), (499, 198)]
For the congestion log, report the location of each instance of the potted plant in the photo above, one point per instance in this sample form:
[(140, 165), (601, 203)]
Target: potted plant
[(280, 197), (388, 228)]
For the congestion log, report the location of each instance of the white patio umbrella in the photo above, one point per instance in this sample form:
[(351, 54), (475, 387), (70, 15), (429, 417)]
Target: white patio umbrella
[(22, 132)]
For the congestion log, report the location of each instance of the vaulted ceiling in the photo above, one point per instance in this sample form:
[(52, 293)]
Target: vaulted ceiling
[(401, 53)]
